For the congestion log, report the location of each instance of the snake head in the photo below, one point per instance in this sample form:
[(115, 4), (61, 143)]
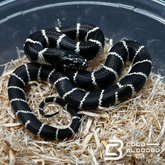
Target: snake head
[(76, 62)]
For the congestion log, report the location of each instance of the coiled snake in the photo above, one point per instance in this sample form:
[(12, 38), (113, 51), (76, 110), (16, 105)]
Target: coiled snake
[(59, 57)]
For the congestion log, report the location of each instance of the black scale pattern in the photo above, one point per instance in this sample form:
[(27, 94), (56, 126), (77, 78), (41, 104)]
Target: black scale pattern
[(76, 98)]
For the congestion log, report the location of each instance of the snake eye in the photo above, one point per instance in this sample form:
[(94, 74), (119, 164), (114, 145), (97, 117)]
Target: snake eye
[(74, 61)]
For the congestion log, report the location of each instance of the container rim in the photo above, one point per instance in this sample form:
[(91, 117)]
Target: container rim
[(4, 2), (110, 4)]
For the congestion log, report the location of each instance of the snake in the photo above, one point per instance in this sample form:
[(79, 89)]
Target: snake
[(60, 56)]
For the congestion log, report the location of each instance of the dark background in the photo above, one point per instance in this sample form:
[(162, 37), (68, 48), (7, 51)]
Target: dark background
[(116, 23)]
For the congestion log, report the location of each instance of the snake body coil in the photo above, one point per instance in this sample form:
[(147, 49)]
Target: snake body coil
[(73, 55)]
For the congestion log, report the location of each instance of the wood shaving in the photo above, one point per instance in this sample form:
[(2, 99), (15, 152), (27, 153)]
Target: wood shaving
[(139, 123)]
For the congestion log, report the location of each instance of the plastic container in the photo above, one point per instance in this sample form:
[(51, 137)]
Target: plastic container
[(143, 21)]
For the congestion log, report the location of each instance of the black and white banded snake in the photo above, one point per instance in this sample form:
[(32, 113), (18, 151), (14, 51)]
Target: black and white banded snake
[(40, 48)]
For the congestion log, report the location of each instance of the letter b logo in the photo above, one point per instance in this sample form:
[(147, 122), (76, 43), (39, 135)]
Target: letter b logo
[(114, 156)]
